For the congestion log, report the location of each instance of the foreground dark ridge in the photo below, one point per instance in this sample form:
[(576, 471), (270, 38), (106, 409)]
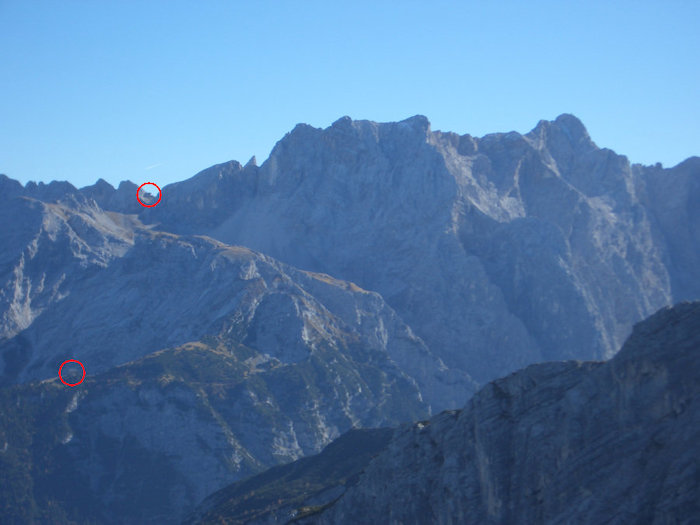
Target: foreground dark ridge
[(613, 442), (303, 486)]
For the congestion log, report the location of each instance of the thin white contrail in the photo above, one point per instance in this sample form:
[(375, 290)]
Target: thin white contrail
[(153, 166)]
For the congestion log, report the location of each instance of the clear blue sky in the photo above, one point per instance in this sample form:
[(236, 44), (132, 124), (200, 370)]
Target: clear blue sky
[(158, 90)]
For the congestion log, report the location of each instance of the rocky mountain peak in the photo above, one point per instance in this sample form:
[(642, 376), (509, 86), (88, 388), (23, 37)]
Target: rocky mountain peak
[(101, 192), (103, 184), (52, 192), (672, 325), (344, 121), (565, 133), (691, 164), (205, 180), (126, 186), (418, 122), (572, 126), (9, 187), (300, 132)]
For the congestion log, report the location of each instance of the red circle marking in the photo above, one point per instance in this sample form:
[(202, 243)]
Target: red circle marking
[(61, 377), (160, 194)]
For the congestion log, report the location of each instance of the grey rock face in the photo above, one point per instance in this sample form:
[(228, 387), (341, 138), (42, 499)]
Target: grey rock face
[(673, 196), (498, 251), (76, 266), (568, 442), (48, 247)]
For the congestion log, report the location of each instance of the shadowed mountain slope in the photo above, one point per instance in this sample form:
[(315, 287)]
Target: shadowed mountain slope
[(568, 442), (303, 486), (613, 442), (146, 441)]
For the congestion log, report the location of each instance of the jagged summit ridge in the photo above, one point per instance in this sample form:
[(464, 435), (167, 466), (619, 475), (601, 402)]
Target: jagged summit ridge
[(566, 123)]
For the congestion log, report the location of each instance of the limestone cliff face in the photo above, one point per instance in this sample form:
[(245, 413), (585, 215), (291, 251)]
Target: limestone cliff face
[(48, 247), (98, 286), (673, 196), (498, 251), (613, 442)]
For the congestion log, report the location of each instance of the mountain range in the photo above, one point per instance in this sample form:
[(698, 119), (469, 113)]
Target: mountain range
[(365, 275), (566, 442)]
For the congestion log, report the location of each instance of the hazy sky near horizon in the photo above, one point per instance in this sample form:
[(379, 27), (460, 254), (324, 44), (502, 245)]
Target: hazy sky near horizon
[(158, 90)]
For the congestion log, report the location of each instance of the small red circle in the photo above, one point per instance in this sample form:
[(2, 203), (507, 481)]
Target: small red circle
[(61, 377), (160, 194)]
